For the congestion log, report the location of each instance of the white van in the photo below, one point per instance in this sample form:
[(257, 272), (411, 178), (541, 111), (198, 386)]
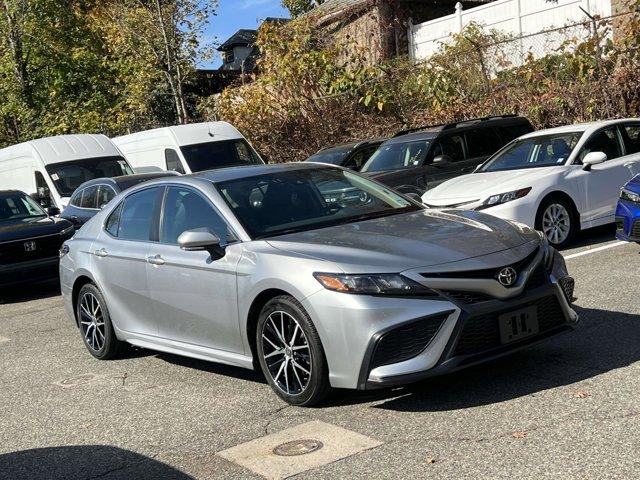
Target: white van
[(49, 169), (187, 148)]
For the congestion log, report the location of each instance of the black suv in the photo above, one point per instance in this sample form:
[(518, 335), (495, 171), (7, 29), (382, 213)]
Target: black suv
[(349, 155), (416, 160), (30, 240)]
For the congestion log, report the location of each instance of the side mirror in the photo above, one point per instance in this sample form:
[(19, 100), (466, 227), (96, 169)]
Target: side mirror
[(593, 158), (52, 211), (414, 196), (441, 159), (199, 240)]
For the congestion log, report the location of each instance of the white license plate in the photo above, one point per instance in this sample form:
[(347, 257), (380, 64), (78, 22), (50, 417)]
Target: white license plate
[(519, 324)]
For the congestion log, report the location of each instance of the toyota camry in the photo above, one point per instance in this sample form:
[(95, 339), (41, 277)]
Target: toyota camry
[(313, 274)]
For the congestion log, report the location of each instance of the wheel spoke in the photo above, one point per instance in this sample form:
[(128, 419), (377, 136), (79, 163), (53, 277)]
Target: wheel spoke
[(295, 372), (275, 329), (279, 371), (275, 352), (286, 374), (300, 347), (297, 365), (270, 342), (293, 337)]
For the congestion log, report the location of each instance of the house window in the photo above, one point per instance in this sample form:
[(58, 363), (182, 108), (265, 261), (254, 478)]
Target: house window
[(228, 56)]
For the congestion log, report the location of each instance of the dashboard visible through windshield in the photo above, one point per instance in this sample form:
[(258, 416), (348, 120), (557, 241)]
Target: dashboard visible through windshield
[(301, 200), (532, 152)]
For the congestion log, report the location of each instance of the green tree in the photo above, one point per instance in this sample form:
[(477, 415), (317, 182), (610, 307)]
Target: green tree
[(300, 7)]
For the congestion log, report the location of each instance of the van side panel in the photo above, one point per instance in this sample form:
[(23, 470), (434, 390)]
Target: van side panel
[(142, 151), (18, 174)]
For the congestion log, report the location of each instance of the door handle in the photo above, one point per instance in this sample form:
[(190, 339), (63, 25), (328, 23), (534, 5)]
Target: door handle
[(101, 253), (155, 260)]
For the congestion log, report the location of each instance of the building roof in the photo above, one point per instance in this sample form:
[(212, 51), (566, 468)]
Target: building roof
[(242, 38)]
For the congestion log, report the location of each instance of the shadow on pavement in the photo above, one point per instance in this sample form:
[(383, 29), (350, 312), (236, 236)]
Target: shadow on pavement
[(84, 462), (211, 367), (603, 341), (594, 237), (30, 291)]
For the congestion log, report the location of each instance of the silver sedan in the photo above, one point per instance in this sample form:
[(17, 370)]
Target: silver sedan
[(314, 274)]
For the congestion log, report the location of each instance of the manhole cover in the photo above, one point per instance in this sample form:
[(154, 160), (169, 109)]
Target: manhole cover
[(297, 447)]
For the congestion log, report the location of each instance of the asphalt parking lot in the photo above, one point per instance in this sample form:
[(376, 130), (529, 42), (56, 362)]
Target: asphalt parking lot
[(568, 408)]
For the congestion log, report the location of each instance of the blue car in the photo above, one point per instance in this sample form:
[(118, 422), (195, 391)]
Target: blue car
[(628, 212)]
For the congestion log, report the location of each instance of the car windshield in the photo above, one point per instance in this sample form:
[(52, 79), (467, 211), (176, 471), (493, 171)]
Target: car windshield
[(334, 156), (224, 153), (18, 206), (394, 156), (532, 152), (307, 199), (67, 176)]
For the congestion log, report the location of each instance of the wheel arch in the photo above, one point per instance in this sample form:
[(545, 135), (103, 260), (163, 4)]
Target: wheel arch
[(560, 194), (79, 282)]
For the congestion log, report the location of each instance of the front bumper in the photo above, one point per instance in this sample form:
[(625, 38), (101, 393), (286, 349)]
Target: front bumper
[(628, 221), (29, 272), (372, 342)]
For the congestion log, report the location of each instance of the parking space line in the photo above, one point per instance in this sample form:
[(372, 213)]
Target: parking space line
[(594, 250)]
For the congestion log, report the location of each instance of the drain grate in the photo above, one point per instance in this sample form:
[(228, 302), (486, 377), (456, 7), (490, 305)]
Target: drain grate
[(297, 447)]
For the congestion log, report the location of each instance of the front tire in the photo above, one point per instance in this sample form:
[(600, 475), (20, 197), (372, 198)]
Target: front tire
[(290, 353), (558, 220), (95, 325)]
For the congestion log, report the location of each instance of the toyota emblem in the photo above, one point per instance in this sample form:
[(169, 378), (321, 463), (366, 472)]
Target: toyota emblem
[(507, 276)]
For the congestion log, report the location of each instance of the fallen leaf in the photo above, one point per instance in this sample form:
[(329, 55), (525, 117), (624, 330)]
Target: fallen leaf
[(582, 394), (519, 434), (431, 460)]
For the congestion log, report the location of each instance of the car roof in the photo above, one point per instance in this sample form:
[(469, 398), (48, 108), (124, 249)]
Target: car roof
[(432, 131), (235, 173), (579, 127), (351, 145), (125, 181)]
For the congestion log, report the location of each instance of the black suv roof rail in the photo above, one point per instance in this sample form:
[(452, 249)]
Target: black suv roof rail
[(449, 126)]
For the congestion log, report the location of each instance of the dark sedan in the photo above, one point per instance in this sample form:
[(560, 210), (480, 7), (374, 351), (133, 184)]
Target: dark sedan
[(30, 240), (349, 155), (91, 196)]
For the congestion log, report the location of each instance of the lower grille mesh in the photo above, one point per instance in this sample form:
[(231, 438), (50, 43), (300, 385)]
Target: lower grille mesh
[(635, 230), (482, 333), (407, 341)]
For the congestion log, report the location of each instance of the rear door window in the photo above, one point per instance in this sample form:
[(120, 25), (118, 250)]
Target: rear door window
[(89, 195), (138, 215), (605, 141), (173, 161), (482, 142), (105, 194)]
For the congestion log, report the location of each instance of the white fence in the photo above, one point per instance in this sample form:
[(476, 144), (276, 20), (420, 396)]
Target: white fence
[(522, 18)]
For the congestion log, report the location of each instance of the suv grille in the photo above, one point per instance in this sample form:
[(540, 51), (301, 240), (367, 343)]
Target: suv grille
[(635, 230), (16, 252), (481, 334), (407, 341), (467, 297)]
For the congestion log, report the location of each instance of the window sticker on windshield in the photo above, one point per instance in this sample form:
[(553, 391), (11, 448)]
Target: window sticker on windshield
[(560, 160), (55, 176)]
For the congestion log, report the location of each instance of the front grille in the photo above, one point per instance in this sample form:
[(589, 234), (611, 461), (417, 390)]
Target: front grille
[(482, 333), (467, 297), (635, 230), (407, 341), (487, 273), (568, 285), (537, 278), (45, 247)]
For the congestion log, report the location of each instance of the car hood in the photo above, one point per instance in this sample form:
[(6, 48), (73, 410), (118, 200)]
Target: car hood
[(406, 241), (31, 227), (479, 186)]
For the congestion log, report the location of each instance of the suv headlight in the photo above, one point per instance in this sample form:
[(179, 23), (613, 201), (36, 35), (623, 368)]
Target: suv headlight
[(377, 284), (501, 198), (629, 196)]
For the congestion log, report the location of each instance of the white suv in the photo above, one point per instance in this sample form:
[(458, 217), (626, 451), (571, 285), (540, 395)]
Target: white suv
[(559, 180)]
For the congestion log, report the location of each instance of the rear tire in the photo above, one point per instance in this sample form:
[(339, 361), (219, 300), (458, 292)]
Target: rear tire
[(290, 353), (558, 220), (95, 324)]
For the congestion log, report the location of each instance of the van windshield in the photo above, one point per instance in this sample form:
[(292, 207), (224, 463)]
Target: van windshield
[(224, 153), (67, 176)]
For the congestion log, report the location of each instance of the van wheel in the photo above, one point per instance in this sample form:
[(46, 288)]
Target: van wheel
[(558, 220), (291, 354), (95, 324)]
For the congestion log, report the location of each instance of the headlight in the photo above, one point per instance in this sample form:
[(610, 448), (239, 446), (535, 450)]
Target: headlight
[(64, 249), (629, 196), (381, 284), (501, 198)]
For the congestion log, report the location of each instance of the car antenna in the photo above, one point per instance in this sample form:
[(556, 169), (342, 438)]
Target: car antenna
[(211, 134)]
